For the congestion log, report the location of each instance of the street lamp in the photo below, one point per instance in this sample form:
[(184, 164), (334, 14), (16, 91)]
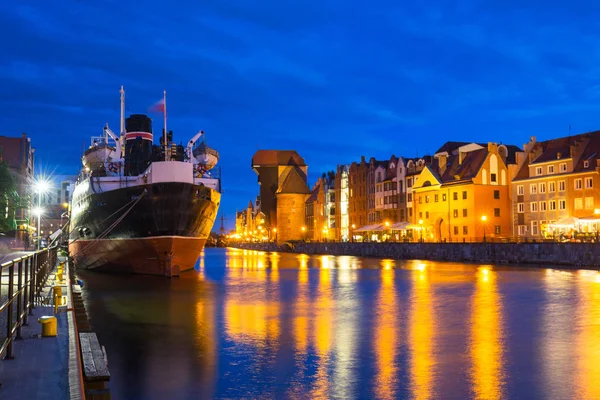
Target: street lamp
[(275, 233), (303, 233), (387, 225), (40, 187), (597, 214), (483, 219), (421, 229), (352, 233)]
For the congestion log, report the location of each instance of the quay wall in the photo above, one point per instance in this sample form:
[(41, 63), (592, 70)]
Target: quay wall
[(567, 254)]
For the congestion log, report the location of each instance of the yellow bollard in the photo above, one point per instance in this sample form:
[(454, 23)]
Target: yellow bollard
[(48, 325), (57, 291)]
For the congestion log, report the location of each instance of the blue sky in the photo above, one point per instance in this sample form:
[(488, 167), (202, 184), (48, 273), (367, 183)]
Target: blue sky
[(333, 80)]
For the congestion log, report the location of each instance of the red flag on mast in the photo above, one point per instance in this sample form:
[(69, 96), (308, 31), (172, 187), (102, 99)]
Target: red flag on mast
[(160, 106)]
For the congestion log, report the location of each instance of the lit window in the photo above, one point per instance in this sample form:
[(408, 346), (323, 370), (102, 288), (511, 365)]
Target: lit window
[(522, 230), (539, 171), (533, 188), (578, 203), (589, 202), (534, 228), (562, 167), (497, 229)]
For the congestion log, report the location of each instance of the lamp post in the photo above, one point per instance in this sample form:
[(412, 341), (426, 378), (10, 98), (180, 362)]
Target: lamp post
[(387, 226), (421, 229), (483, 219), (40, 187), (275, 233), (304, 234), (352, 233), (597, 214)]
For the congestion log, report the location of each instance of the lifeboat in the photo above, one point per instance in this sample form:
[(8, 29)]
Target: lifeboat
[(205, 157), (97, 154)]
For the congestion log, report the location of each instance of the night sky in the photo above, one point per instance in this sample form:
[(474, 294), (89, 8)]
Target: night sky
[(333, 80)]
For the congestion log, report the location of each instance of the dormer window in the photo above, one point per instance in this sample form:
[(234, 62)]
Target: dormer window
[(539, 171), (586, 164), (550, 169)]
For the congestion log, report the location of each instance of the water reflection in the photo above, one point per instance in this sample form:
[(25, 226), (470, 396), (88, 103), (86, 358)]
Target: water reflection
[(250, 324), (386, 336), (421, 334), (486, 337), (587, 344)]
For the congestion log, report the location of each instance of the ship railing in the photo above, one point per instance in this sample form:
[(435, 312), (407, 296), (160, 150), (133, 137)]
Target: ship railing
[(22, 281)]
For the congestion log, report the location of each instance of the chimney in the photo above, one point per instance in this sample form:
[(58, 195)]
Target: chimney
[(443, 162), (362, 159), (558, 155)]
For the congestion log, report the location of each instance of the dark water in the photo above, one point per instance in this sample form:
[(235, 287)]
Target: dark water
[(257, 325)]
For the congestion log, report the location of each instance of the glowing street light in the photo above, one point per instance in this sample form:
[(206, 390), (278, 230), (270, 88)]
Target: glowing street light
[(483, 219), (40, 186), (421, 229)]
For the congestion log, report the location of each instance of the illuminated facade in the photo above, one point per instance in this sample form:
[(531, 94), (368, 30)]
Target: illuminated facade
[(556, 189), (357, 187), (463, 195)]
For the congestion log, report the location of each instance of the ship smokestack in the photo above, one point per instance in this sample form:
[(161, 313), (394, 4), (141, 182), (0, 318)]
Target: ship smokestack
[(138, 143)]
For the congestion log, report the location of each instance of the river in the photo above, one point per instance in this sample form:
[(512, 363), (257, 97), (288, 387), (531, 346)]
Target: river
[(248, 324)]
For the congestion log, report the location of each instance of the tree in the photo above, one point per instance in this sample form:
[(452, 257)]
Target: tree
[(9, 198)]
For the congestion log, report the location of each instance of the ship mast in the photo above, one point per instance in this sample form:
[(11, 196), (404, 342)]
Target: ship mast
[(165, 122), (122, 122)]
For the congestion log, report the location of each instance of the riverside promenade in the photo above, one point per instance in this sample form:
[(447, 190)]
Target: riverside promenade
[(574, 255), (33, 366)]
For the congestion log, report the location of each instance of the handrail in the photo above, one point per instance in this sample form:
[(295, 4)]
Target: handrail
[(31, 272)]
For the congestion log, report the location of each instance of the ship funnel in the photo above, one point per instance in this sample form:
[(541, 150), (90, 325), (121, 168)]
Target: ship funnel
[(138, 143)]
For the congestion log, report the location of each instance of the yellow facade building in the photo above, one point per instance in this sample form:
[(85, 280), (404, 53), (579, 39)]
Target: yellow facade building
[(464, 194)]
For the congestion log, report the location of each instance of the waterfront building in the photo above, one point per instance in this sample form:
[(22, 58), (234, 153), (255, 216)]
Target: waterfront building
[(342, 226), (414, 166), (290, 199), (464, 193), (309, 218), (375, 178), (272, 167), (357, 184), (556, 189), (250, 223), (18, 154)]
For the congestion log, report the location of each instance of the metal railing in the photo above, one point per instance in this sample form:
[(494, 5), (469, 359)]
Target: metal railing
[(22, 280)]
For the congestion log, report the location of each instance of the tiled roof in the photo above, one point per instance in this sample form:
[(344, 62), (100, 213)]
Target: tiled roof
[(292, 181), (277, 157), (467, 170), (313, 195)]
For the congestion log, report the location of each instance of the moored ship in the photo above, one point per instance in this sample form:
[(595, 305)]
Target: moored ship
[(143, 208)]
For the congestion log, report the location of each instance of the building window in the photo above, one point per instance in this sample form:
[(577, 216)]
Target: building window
[(586, 164), (562, 167), (522, 230), (534, 228), (534, 206), (464, 195), (588, 183), (497, 229), (550, 169), (578, 203), (533, 188), (561, 186), (455, 213), (539, 171), (426, 199), (551, 187), (443, 196), (455, 196), (552, 205), (427, 214), (464, 212), (436, 198), (577, 184), (421, 214), (409, 197), (543, 206), (542, 187), (409, 182), (493, 178), (520, 190), (496, 194), (410, 212), (456, 230), (521, 207), (496, 212), (589, 202), (562, 204), (420, 199), (465, 230)]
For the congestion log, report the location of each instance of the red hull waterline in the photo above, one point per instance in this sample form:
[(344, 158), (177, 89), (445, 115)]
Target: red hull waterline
[(164, 255)]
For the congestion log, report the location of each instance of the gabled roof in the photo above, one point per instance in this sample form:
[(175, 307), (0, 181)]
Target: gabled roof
[(466, 170), (277, 157), (292, 181), (313, 195), (451, 147)]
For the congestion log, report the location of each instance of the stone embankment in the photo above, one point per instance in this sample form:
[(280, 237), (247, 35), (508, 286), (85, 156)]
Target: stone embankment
[(567, 254)]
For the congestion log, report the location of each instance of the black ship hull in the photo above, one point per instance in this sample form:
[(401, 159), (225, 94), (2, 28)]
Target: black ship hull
[(158, 228)]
